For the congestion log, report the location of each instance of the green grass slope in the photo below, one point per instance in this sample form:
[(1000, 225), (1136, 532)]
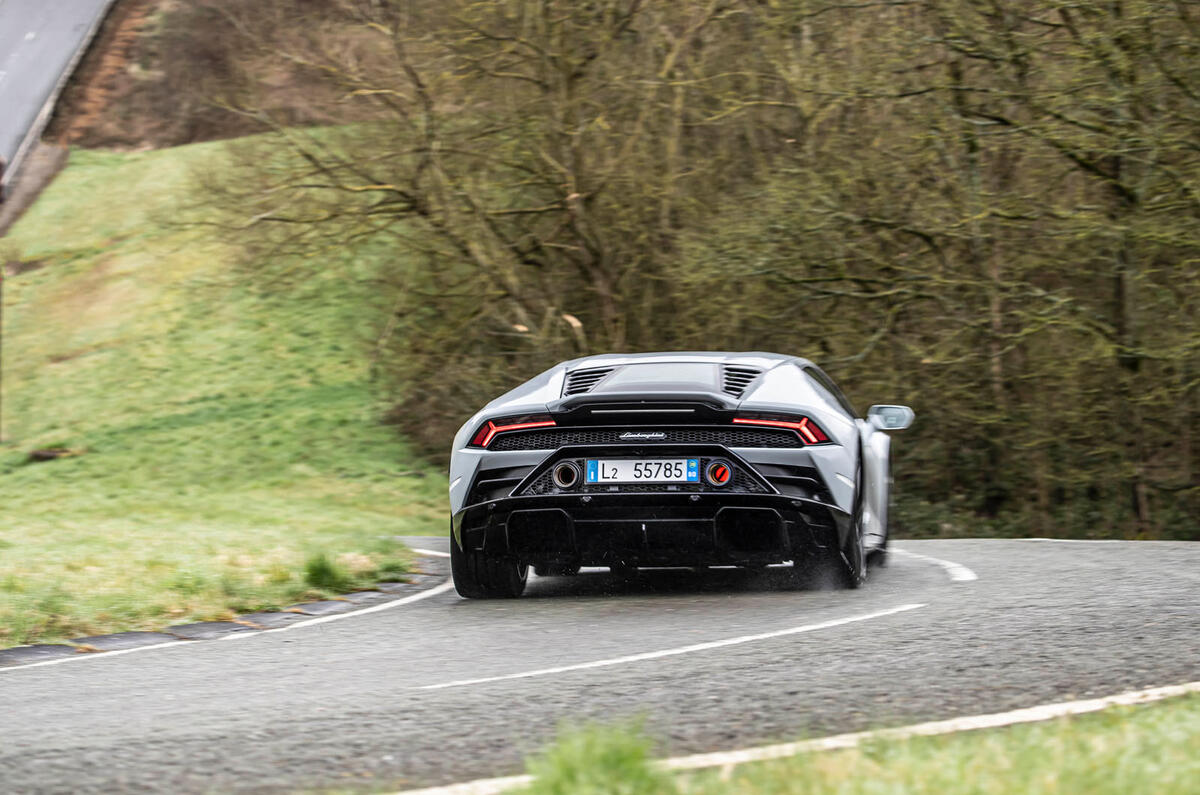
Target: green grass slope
[(228, 444)]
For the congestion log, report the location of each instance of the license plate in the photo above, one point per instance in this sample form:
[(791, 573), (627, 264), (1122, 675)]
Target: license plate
[(643, 470)]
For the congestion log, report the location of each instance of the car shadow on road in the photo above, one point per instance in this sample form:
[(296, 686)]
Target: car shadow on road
[(674, 582)]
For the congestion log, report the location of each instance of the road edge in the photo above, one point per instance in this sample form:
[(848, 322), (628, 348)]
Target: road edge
[(727, 760), (240, 627), (34, 133)]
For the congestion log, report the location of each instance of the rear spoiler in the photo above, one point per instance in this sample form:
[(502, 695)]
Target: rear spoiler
[(670, 407)]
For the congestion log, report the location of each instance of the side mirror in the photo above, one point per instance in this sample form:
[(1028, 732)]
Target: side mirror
[(890, 418)]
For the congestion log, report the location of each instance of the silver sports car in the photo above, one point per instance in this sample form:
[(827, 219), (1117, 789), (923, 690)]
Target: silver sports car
[(669, 459)]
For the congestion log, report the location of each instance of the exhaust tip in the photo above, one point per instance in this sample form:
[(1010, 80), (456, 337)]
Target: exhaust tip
[(566, 475), (718, 473)]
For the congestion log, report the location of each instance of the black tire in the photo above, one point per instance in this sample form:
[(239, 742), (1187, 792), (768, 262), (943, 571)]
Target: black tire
[(854, 556), (477, 576), (832, 567), (854, 559)]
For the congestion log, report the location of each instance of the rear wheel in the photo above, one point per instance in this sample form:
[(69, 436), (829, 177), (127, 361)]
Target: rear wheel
[(836, 565), (854, 556), (832, 567), (854, 560), (478, 576)]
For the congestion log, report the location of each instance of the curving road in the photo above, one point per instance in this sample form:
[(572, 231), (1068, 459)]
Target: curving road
[(724, 660), (39, 41)]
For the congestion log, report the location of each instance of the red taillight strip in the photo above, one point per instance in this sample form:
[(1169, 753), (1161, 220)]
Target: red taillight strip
[(490, 430), (802, 427)]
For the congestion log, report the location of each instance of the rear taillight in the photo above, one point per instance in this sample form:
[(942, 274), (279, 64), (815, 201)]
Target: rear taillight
[(805, 428), (488, 431)]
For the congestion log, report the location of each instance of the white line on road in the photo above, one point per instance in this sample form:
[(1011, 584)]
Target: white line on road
[(1079, 540), (957, 571), (431, 552), (441, 588), (654, 655), (951, 726), (730, 759), (95, 655), (484, 786)]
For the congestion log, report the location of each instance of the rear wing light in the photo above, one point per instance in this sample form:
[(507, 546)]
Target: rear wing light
[(808, 431), (492, 428)]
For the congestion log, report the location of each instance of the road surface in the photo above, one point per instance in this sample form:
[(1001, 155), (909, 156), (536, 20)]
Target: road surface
[(38, 42), (443, 689)]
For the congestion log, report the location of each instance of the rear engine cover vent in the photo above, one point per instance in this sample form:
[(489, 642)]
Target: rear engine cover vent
[(736, 379), (581, 381)]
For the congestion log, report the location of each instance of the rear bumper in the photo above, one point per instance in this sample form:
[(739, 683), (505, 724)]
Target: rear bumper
[(650, 529)]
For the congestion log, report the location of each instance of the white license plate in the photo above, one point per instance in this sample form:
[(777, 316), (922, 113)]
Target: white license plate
[(643, 470)]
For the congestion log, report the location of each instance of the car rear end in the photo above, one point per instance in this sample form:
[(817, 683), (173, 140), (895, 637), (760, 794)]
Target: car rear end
[(647, 463)]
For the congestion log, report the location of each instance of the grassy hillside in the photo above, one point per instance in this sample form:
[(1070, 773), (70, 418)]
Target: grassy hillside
[(225, 438)]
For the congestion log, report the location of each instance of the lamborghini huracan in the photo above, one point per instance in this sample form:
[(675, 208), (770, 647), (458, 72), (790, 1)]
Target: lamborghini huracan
[(666, 460)]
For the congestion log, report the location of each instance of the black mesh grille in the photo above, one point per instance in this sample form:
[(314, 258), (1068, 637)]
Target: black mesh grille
[(493, 484), (552, 439), (736, 379), (798, 481), (742, 482), (582, 381)]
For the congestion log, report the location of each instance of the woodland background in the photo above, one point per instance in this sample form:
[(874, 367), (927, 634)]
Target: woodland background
[(987, 210)]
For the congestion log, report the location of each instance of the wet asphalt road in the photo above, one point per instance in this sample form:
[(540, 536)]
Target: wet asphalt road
[(38, 39), (341, 704)]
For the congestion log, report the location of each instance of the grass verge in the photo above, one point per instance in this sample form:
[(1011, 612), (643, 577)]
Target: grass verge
[(221, 449), (1153, 748)]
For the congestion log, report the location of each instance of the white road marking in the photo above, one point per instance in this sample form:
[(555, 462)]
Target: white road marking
[(92, 655), (951, 726), (484, 786), (437, 589), (1078, 540), (654, 655), (957, 571), (431, 552), (727, 760), (442, 588)]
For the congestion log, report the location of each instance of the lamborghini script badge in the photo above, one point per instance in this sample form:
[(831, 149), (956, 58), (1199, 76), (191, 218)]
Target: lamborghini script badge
[(643, 435)]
